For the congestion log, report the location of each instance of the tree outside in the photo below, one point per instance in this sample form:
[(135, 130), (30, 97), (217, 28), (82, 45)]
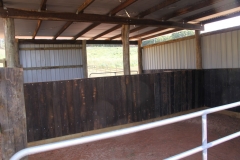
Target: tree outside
[(168, 37)]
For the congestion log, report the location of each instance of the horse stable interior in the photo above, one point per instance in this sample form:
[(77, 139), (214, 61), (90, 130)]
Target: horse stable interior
[(46, 95)]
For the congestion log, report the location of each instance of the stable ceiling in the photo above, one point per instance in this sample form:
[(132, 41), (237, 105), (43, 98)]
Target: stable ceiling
[(181, 11)]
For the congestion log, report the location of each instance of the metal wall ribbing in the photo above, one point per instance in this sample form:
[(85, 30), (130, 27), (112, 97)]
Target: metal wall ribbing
[(34, 56), (174, 55), (219, 50)]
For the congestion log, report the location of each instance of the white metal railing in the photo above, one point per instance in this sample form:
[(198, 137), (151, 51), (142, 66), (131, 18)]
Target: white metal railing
[(121, 132)]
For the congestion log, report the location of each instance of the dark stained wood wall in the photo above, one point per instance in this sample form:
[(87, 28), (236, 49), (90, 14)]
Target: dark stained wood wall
[(221, 86), (61, 108)]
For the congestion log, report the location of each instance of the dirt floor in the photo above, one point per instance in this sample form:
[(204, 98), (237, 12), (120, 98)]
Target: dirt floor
[(158, 143)]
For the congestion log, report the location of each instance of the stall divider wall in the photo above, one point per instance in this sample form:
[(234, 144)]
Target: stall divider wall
[(61, 108)]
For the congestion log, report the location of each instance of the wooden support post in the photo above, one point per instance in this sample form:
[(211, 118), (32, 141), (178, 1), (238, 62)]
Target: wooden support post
[(10, 44), (12, 112), (84, 57), (17, 58), (198, 50), (140, 66), (125, 41)]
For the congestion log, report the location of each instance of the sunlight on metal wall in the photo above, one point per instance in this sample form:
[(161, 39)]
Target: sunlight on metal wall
[(34, 55), (175, 55), (221, 50)]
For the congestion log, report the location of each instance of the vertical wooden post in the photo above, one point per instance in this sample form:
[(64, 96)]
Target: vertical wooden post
[(10, 44), (140, 67), (198, 50), (17, 58), (125, 41), (12, 112), (84, 58)]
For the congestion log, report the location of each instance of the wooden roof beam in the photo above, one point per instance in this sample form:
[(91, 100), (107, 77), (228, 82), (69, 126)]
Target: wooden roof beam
[(56, 16), (43, 7), (1, 4), (84, 6), (140, 15), (120, 7), (191, 8), (210, 12), (148, 32), (202, 15), (80, 9), (112, 13), (131, 31), (161, 34), (181, 11), (107, 31), (37, 29), (157, 7), (85, 30)]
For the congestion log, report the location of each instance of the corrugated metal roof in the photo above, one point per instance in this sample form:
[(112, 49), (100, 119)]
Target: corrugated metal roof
[(75, 28), (50, 28), (102, 7), (25, 27), (22, 4), (63, 5)]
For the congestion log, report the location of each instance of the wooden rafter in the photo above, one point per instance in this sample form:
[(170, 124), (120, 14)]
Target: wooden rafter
[(223, 8), (157, 7), (85, 30), (37, 29), (80, 9), (148, 32), (221, 18), (191, 8), (66, 25), (43, 7), (107, 31), (201, 15), (56, 16), (160, 34), (40, 41), (112, 12), (140, 15), (131, 31), (1, 4), (84, 6), (121, 7), (179, 12)]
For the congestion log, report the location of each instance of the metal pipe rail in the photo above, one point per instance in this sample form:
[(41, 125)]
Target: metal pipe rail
[(110, 72), (121, 132)]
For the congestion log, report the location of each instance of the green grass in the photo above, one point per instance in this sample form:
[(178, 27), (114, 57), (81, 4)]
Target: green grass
[(111, 57), (2, 53), (2, 56), (105, 58)]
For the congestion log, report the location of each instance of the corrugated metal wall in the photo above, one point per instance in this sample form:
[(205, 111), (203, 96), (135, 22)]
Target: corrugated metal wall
[(174, 55), (221, 50), (41, 62)]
